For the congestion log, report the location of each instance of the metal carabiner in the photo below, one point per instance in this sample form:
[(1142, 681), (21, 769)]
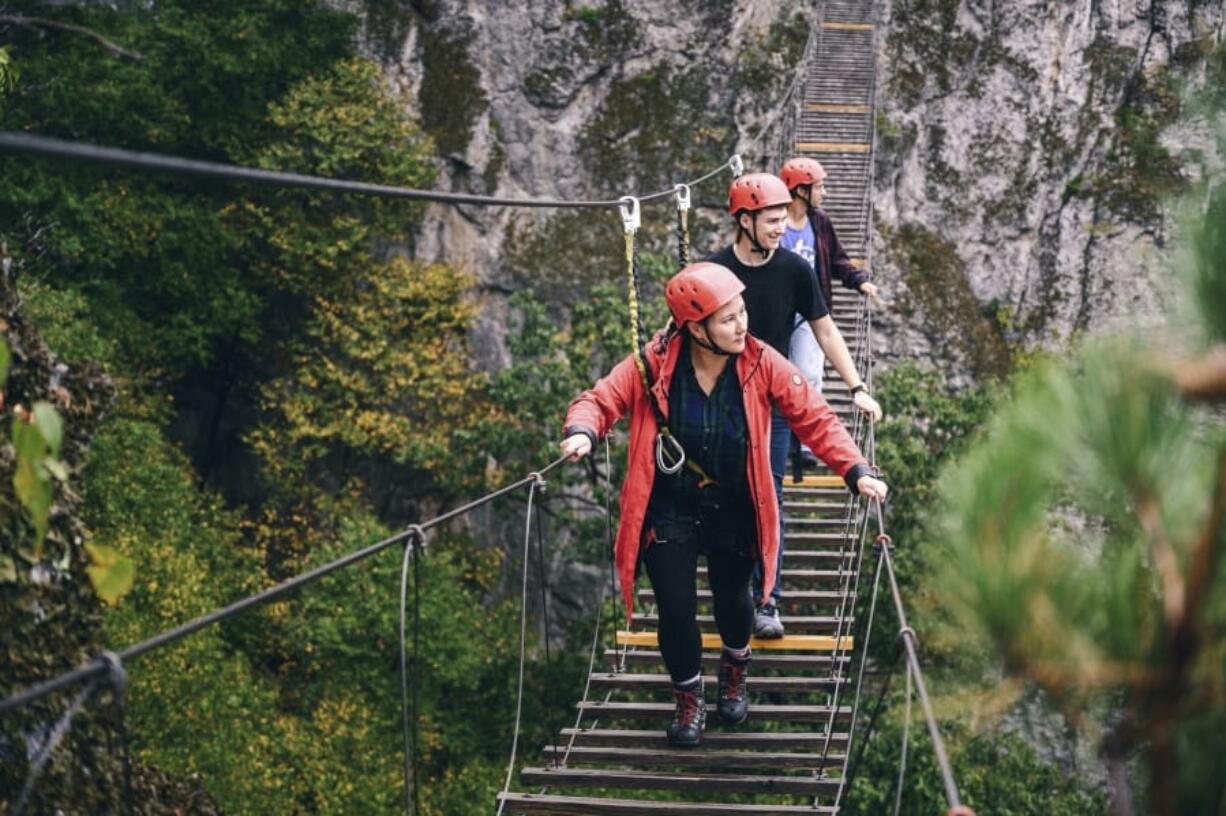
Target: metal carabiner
[(678, 453), (683, 196), (736, 165), (631, 218)]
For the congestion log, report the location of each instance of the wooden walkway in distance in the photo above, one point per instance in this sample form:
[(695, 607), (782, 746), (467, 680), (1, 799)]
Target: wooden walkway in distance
[(789, 757)]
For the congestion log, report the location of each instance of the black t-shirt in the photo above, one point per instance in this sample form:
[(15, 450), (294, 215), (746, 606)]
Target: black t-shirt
[(777, 291)]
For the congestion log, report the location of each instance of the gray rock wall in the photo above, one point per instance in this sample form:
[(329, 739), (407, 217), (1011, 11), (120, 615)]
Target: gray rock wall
[(1026, 167)]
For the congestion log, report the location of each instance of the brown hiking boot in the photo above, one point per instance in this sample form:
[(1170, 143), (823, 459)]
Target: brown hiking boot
[(733, 702), (690, 716)]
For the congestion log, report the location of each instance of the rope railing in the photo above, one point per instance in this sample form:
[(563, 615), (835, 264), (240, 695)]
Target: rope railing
[(882, 547), (111, 664)]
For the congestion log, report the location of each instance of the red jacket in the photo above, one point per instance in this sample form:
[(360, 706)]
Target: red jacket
[(767, 378)]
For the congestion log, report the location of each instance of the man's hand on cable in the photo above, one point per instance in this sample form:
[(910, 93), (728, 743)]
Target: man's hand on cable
[(872, 488), (576, 446), (865, 402)]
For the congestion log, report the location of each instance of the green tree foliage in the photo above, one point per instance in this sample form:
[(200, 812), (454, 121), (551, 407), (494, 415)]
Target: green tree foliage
[(1083, 543)]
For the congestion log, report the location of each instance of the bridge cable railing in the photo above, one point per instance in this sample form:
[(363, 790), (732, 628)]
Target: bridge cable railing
[(882, 548), (109, 668)]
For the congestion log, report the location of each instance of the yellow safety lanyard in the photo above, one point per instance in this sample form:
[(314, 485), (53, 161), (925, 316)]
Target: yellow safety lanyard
[(670, 455)]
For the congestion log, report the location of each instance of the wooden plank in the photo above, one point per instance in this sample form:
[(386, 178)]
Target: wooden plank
[(589, 806), (645, 780), (803, 662), (835, 26), (821, 107), (833, 147), (714, 740), (663, 712), (787, 643), (757, 684), (820, 481), (659, 756)]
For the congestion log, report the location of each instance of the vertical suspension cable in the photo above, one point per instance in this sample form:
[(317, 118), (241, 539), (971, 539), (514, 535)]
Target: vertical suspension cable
[(902, 759), (408, 726), (537, 482)]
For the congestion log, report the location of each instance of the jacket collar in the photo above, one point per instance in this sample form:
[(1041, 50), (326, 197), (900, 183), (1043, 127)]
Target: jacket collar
[(665, 366)]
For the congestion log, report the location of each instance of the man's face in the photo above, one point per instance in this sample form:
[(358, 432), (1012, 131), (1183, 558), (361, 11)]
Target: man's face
[(817, 192), (770, 225)]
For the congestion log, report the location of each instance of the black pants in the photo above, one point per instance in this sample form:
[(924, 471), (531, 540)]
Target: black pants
[(672, 565)]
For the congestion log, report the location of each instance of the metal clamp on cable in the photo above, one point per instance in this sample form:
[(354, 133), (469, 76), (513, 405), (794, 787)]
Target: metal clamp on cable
[(538, 481), (736, 165), (683, 196), (631, 216), (116, 674), (906, 632), (415, 538), (883, 540), (677, 453)]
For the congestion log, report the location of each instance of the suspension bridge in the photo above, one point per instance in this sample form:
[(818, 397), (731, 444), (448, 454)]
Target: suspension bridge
[(797, 754)]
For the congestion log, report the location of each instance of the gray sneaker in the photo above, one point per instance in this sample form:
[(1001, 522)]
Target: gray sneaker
[(766, 623)]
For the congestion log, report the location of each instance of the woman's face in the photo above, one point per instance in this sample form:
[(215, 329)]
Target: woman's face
[(726, 329)]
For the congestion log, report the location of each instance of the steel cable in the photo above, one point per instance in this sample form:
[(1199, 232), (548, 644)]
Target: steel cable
[(51, 148)]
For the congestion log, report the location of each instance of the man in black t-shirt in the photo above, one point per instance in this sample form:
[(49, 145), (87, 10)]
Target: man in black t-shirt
[(778, 286)]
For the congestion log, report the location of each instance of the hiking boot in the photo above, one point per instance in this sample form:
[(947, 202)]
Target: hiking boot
[(733, 703), (766, 623), (690, 716)]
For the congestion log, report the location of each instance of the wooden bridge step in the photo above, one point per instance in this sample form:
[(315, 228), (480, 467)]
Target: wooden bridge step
[(757, 684), (646, 780), (713, 740), (590, 806), (787, 643), (761, 712), (815, 625), (805, 577), (811, 662), (789, 597), (658, 755)]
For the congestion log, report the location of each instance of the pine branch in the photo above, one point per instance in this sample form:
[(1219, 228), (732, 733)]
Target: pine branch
[(1205, 378), (42, 22)]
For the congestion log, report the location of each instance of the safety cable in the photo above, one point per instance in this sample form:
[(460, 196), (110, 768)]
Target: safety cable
[(413, 547), (544, 586), (117, 679), (99, 666), (591, 663), (902, 756), (683, 226), (52, 148), (537, 482)]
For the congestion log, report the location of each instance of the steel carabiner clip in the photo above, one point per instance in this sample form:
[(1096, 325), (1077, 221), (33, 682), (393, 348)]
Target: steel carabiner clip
[(677, 453)]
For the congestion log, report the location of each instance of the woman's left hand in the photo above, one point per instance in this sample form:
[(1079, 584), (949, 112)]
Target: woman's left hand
[(872, 488)]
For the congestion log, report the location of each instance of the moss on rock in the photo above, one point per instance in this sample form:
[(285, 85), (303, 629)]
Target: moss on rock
[(451, 95), (938, 293), (656, 128)]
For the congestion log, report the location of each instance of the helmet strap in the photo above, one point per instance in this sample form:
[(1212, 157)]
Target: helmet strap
[(753, 236), (708, 344)]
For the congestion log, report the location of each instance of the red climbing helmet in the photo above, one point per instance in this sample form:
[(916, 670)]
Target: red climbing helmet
[(698, 291), (800, 170), (757, 191)]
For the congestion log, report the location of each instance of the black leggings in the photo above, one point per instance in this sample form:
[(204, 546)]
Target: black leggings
[(672, 566)]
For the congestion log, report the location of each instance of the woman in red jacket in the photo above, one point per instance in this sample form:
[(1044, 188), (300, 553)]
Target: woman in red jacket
[(712, 390)]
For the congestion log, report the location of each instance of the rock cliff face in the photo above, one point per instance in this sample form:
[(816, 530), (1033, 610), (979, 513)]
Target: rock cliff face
[(569, 99), (1026, 149), (1028, 162)]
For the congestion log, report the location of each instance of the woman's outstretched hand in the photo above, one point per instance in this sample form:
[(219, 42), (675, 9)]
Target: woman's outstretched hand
[(872, 488), (577, 446)]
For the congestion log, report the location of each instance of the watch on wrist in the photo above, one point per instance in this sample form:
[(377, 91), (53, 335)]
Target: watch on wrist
[(858, 388)]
